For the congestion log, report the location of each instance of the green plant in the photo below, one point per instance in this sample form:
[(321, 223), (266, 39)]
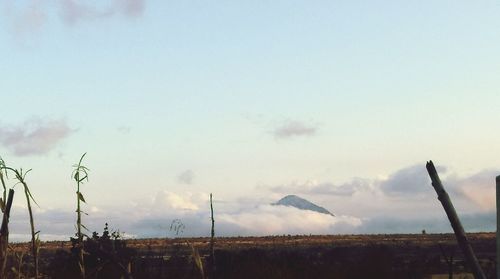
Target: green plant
[(177, 226), (197, 259), (80, 174), (106, 256), (19, 258), (21, 178)]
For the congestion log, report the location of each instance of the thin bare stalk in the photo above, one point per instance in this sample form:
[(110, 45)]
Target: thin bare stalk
[(212, 238), (2, 170)]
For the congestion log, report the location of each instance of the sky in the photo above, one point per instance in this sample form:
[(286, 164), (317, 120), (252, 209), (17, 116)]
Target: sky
[(339, 102)]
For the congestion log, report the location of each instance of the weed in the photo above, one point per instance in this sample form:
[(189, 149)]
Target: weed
[(19, 258), (21, 178), (106, 256), (197, 259), (80, 174), (177, 226)]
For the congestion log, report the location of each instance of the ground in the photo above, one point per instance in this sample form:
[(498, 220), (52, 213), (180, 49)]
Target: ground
[(303, 256)]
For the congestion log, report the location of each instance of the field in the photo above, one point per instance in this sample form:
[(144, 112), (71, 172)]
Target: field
[(326, 256)]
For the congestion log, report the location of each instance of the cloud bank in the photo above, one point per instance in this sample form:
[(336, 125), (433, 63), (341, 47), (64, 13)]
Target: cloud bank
[(411, 183), (478, 188), (153, 218), (360, 206), (404, 200), (34, 137), (408, 181), (275, 220)]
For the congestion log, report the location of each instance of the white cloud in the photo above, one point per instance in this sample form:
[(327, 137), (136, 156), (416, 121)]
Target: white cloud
[(28, 17), (186, 177), (413, 180), (323, 188), (166, 200), (34, 137), (73, 11), (478, 188), (272, 220), (370, 210), (406, 192), (292, 129)]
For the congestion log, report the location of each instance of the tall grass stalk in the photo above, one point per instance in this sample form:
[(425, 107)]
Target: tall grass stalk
[(197, 259), (80, 174), (21, 178)]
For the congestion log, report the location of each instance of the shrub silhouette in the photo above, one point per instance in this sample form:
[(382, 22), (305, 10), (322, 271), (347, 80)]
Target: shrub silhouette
[(106, 256)]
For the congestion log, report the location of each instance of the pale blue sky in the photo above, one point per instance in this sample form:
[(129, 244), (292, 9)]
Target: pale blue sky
[(151, 89)]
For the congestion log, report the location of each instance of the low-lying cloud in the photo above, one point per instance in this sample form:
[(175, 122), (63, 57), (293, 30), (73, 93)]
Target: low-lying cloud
[(406, 192), (408, 181), (154, 219), (478, 188), (34, 137), (58, 224), (291, 129), (472, 222), (273, 220), (360, 206)]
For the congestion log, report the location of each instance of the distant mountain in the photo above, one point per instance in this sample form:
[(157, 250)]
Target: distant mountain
[(300, 203)]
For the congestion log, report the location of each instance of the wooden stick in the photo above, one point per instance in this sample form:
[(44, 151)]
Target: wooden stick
[(455, 222), (498, 226), (212, 239)]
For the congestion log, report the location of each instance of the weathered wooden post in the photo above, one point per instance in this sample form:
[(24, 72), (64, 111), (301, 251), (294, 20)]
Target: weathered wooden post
[(498, 226), (455, 222)]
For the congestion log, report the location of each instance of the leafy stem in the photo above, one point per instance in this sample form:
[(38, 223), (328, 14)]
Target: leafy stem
[(80, 174)]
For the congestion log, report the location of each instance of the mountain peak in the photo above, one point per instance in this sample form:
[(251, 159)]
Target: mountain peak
[(300, 203)]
